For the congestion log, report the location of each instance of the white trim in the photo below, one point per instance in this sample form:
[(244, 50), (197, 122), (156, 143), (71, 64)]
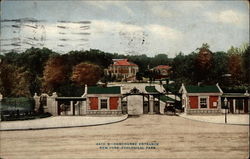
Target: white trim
[(99, 103), (104, 95), (204, 94), (199, 104), (217, 84), (183, 89)]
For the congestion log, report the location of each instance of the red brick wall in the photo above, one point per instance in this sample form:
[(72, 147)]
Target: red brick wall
[(193, 102), (113, 102), (211, 100), (93, 103)]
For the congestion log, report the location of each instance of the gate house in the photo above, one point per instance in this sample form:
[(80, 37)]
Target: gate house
[(104, 100), (201, 99)]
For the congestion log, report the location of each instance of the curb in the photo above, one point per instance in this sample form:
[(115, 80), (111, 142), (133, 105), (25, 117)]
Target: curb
[(213, 122), (62, 127)]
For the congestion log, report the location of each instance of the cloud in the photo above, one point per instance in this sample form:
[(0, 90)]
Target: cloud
[(158, 10), (228, 17), (164, 32), (102, 26), (106, 5)]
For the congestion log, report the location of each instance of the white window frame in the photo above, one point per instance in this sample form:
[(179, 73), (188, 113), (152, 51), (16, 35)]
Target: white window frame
[(207, 99), (99, 103)]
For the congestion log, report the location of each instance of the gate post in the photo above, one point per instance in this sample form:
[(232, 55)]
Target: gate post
[(37, 102), (53, 104), (151, 105)]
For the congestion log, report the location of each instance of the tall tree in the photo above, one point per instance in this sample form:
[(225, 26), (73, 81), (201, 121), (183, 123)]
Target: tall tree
[(219, 68), (55, 73), (235, 65), (246, 64), (86, 73), (203, 63)]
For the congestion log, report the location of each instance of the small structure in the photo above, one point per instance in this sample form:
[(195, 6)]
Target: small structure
[(201, 99), (123, 69), (238, 103), (162, 71), (103, 100)]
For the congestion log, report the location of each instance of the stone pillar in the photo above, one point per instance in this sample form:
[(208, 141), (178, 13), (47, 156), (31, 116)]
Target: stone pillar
[(151, 105), (71, 108), (37, 102), (52, 104), (84, 107)]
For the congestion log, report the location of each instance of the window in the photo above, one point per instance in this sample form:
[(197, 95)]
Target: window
[(104, 104), (203, 102)]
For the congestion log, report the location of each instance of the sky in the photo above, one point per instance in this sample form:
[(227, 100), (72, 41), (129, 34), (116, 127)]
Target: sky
[(124, 27)]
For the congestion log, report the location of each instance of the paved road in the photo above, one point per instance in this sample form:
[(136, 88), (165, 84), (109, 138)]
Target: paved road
[(176, 138)]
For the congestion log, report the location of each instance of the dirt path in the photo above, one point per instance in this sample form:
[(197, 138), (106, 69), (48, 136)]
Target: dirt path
[(176, 138)]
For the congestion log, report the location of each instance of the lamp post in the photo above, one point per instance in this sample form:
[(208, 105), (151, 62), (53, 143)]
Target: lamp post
[(225, 107)]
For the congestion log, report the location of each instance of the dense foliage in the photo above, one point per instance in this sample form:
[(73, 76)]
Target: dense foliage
[(42, 70)]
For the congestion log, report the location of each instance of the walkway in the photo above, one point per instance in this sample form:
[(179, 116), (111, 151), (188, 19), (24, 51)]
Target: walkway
[(60, 122), (238, 119)]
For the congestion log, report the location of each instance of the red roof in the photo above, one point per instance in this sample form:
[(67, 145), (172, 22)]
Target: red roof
[(162, 67), (123, 62)]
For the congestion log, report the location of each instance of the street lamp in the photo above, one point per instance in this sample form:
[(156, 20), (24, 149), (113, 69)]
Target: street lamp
[(225, 107)]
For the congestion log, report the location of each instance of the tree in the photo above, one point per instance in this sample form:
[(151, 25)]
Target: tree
[(246, 65), (139, 76), (183, 68), (14, 81), (235, 68), (203, 63), (86, 73), (55, 73), (219, 68)]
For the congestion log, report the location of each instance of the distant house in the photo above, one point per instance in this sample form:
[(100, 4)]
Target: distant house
[(201, 99), (162, 71), (123, 69), (103, 100)]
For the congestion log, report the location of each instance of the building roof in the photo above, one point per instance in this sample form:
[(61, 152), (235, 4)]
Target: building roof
[(202, 89), (104, 90), (170, 88), (162, 67), (152, 89), (122, 62), (166, 98), (235, 95)]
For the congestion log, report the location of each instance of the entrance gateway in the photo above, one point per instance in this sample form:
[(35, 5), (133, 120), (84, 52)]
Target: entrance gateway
[(70, 105), (137, 102), (106, 101), (133, 103)]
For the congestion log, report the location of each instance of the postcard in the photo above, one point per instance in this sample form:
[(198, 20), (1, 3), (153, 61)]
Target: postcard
[(124, 79)]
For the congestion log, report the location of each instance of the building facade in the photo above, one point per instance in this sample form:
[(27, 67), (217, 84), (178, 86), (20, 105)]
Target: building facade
[(238, 103), (201, 99), (95, 101), (103, 100), (122, 69)]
